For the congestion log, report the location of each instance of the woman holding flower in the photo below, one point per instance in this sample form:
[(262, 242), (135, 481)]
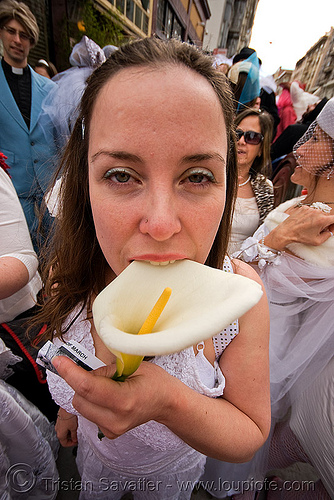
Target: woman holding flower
[(150, 176)]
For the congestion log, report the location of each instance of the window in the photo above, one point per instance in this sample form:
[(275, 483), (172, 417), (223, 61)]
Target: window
[(120, 4), (129, 9), (167, 21), (135, 11)]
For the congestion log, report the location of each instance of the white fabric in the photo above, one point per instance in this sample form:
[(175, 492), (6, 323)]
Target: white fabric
[(267, 82), (320, 256), (325, 118), (301, 99), (301, 296), (15, 242), (52, 199), (300, 293), (27, 439), (207, 373), (150, 450), (87, 53), (7, 359), (223, 338), (312, 421), (61, 105), (245, 221)]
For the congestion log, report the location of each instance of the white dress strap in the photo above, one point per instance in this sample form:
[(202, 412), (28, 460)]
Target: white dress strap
[(223, 338)]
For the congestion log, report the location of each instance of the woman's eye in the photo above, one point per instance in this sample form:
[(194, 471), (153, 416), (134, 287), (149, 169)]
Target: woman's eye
[(200, 177), (197, 178), (122, 176), (118, 176)]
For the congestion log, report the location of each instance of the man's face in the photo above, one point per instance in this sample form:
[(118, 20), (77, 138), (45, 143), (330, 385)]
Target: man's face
[(16, 45)]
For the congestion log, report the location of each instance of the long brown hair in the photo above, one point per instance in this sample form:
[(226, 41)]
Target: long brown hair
[(78, 267)]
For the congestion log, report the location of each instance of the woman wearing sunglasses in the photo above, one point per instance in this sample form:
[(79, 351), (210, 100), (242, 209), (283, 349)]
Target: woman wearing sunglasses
[(255, 197)]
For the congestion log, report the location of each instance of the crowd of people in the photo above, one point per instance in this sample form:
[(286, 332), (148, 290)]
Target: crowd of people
[(154, 152)]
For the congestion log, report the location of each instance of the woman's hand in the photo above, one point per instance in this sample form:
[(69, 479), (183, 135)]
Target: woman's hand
[(304, 225), (117, 407), (66, 428), (151, 393)]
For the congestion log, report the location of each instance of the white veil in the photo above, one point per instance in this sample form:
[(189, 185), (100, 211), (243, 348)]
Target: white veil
[(301, 298), (61, 105)]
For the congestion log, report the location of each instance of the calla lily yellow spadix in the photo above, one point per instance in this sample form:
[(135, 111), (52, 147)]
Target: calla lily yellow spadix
[(126, 364), (204, 302)]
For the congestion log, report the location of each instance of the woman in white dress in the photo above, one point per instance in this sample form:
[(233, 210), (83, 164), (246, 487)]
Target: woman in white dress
[(255, 197), (149, 174)]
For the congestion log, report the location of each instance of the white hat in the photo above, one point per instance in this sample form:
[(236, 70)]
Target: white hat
[(301, 99), (325, 118)]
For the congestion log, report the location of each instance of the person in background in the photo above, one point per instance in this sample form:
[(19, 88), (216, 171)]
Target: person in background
[(30, 153), (245, 82), (61, 106), (137, 199), (20, 284), (284, 144), (294, 253), (222, 63), (255, 196), (301, 99), (19, 279), (267, 100), (286, 111), (44, 68)]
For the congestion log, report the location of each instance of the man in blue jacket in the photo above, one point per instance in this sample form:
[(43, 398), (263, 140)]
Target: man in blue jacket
[(31, 155)]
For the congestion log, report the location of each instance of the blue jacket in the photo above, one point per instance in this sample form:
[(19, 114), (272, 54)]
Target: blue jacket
[(31, 156)]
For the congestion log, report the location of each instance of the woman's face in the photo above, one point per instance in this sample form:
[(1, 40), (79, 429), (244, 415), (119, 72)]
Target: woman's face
[(248, 152), (157, 157), (312, 156)]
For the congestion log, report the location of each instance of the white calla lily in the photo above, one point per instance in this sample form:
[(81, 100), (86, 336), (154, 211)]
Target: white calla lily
[(203, 302)]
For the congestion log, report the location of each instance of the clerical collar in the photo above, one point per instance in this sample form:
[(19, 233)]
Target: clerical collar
[(15, 71)]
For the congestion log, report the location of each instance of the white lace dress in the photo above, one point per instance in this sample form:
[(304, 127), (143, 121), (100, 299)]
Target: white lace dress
[(149, 460), (245, 221)]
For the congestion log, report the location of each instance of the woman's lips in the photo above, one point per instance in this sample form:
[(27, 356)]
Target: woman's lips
[(159, 260)]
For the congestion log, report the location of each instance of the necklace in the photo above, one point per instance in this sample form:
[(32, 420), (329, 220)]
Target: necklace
[(244, 183), (319, 205)]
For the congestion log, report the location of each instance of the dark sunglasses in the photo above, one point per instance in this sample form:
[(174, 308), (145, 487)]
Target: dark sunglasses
[(253, 138)]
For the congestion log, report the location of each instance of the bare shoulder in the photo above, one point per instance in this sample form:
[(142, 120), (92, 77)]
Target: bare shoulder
[(246, 270)]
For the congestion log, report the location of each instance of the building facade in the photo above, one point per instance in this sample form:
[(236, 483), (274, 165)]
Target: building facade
[(308, 66), (182, 19), (315, 69), (236, 26), (63, 23), (323, 81), (214, 25)]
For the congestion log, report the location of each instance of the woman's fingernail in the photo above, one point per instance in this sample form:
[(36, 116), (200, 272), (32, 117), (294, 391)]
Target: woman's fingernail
[(56, 361)]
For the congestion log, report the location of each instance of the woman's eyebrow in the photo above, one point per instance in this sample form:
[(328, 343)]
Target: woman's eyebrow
[(197, 158), (118, 155)]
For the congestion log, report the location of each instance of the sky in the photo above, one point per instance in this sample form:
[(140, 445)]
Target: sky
[(284, 31)]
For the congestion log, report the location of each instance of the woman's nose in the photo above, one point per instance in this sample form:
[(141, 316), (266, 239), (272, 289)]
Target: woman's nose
[(160, 219), (242, 140), (300, 151)]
